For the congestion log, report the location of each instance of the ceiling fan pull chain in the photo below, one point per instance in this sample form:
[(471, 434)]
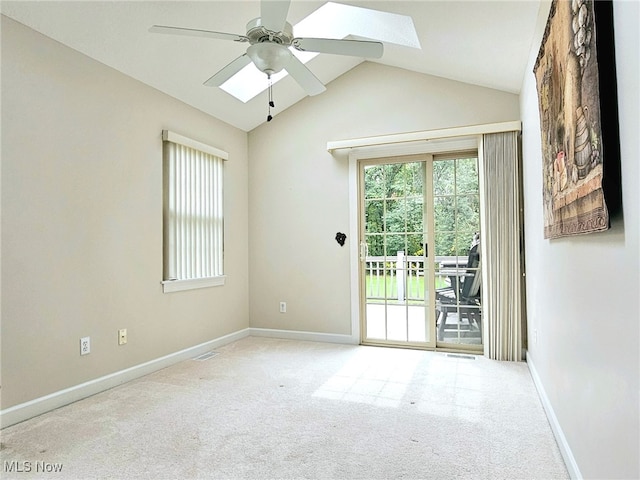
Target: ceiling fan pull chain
[(271, 104)]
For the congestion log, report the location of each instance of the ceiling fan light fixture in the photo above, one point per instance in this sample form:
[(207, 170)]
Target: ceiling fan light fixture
[(269, 57)]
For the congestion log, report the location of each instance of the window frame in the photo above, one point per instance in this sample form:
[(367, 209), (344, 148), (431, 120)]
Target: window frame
[(172, 253)]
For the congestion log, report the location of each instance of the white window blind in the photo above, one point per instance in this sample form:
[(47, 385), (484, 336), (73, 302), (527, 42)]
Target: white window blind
[(193, 213)]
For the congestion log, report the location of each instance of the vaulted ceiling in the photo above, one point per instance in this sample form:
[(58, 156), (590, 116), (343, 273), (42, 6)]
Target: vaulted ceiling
[(485, 43)]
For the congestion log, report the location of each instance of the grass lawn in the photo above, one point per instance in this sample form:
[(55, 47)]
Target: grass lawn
[(375, 286)]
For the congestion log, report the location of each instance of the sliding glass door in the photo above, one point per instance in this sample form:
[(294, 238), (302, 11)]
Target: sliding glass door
[(418, 218), (396, 284), (456, 227)]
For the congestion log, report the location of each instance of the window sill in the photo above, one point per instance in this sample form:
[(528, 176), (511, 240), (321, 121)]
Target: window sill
[(169, 286)]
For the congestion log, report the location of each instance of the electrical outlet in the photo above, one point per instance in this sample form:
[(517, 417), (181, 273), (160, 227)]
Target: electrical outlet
[(122, 336), (85, 345), (535, 335), (283, 307)]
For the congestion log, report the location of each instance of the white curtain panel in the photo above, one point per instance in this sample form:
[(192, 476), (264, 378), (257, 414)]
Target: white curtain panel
[(502, 291)]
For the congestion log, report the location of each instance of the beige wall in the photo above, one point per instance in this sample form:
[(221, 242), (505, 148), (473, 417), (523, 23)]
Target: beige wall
[(82, 221), (298, 192), (583, 292), (82, 230)]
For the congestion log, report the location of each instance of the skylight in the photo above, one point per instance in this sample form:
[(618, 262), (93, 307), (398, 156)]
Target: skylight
[(332, 20)]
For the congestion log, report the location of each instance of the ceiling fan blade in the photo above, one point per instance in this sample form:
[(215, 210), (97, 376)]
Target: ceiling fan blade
[(301, 74), (229, 71), (355, 48), (273, 14), (193, 32)]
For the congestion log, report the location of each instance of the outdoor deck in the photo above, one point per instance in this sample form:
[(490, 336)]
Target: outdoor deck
[(396, 285), (406, 323)]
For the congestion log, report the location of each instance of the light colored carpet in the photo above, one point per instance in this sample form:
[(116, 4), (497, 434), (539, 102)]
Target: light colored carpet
[(268, 408)]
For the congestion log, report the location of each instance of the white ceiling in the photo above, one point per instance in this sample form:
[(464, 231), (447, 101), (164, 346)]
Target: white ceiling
[(486, 43)]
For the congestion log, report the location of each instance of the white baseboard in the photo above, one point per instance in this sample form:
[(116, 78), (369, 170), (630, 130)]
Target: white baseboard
[(24, 411), (304, 336), (38, 406), (565, 449)]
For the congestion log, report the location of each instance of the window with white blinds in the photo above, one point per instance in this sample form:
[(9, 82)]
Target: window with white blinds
[(193, 220)]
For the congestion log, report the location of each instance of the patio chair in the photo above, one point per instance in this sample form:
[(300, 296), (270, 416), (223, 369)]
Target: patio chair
[(462, 297)]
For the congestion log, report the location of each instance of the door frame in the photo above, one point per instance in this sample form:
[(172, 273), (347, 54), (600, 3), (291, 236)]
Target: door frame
[(445, 145), (427, 160)]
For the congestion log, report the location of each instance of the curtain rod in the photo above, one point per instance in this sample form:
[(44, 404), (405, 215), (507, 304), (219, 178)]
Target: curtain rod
[(425, 135)]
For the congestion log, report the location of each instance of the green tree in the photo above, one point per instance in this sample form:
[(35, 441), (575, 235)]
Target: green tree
[(394, 206)]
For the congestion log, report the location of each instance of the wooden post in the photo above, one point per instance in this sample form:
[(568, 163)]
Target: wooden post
[(401, 276)]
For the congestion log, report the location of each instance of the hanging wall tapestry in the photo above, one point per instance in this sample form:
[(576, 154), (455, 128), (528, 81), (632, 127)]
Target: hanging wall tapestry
[(567, 79)]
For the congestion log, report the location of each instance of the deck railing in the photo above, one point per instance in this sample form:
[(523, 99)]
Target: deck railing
[(401, 277)]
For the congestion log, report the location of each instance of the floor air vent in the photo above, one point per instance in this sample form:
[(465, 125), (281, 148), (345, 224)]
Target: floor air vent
[(205, 356), (457, 355)]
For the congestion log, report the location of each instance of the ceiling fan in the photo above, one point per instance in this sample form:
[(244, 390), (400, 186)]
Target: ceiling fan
[(269, 37)]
